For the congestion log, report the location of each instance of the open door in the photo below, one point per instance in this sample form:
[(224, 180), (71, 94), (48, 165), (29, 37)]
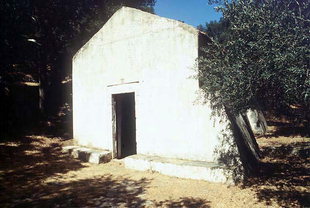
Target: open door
[(124, 125)]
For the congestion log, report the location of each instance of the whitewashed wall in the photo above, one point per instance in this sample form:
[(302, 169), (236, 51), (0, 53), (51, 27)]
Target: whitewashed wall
[(159, 54)]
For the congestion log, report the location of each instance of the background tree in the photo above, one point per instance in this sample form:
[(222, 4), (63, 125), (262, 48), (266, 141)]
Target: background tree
[(263, 59), (38, 39), (217, 30)]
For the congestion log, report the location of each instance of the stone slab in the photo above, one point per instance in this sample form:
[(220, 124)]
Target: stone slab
[(100, 157), (179, 168), (87, 154), (68, 149)]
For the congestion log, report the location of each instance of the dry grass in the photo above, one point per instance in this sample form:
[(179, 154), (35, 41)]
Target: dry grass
[(34, 173)]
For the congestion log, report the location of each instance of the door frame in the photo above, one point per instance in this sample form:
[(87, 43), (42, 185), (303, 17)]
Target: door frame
[(120, 88), (116, 124)]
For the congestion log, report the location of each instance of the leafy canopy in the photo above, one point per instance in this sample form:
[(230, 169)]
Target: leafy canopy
[(53, 26), (263, 58), (39, 37)]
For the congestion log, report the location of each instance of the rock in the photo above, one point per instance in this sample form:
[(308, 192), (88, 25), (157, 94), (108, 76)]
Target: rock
[(68, 149), (88, 154), (100, 157)]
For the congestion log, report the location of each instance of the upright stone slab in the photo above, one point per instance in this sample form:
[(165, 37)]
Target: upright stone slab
[(257, 121)]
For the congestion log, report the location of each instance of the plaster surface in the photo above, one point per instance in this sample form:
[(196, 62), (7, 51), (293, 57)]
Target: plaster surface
[(179, 168), (155, 58)]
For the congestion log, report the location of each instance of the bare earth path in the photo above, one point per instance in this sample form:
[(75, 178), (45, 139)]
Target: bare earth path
[(34, 173)]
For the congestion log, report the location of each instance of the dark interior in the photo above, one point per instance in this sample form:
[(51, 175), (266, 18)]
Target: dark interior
[(125, 124)]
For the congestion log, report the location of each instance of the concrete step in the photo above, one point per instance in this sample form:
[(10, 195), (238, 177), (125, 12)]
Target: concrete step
[(200, 170), (88, 155)]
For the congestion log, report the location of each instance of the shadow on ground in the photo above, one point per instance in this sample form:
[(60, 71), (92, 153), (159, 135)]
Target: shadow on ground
[(27, 162), (34, 158), (104, 191), (184, 202), (284, 176), (289, 128)]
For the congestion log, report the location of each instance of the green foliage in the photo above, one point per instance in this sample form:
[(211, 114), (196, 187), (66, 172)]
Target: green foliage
[(263, 58), (216, 29), (38, 38), (37, 41), (53, 26)]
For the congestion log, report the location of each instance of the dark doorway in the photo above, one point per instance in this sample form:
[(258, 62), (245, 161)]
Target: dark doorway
[(124, 125)]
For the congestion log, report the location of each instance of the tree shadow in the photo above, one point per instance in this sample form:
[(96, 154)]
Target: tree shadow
[(27, 161), (289, 128), (283, 178), (278, 174), (184, 202), (103, 191)]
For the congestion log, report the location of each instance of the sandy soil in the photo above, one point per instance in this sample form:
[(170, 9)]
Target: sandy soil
[(34, 173)]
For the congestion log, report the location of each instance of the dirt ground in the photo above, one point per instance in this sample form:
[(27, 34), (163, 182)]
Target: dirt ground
[(34, 173)]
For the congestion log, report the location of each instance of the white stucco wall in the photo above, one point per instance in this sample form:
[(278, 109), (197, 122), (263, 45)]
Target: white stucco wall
[(158, 55)]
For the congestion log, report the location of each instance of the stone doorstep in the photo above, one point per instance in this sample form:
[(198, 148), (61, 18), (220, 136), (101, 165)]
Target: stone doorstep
[(198, 170), (88, 155)]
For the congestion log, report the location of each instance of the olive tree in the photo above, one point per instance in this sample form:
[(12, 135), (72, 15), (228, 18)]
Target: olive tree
[(264, 58)]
